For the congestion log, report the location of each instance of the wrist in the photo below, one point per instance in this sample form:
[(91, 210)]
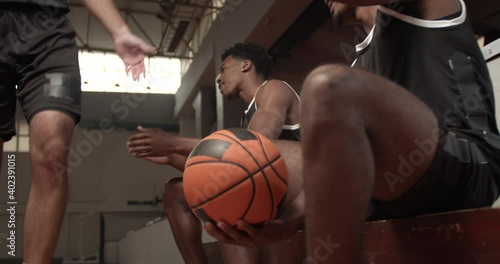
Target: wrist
[(120, 31), (182, 146)]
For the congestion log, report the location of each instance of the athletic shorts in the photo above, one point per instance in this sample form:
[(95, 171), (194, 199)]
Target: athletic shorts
[(38, 55), (461, 176)]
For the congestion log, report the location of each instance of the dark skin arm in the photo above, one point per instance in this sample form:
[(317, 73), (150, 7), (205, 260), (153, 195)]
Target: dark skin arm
[(153, 142), (157, 146), (273, 102), (175, 160)]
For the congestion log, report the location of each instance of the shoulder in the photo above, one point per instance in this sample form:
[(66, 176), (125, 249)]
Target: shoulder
[(275, 87)]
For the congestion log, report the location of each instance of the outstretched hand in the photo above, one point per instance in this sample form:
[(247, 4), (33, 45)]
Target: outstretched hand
[(151, 142), (132, 50), (249, 236)]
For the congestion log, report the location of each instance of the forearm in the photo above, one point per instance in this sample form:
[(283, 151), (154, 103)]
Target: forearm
[(178, 161), (106, 12), (184, 145)]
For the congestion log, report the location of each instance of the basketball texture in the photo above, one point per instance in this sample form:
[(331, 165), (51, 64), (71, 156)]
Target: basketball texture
[(235, 174)]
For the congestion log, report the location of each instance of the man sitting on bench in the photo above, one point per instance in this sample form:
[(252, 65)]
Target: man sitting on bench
[(410, 128)]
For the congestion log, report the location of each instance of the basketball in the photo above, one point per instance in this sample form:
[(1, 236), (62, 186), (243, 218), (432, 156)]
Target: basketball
[(235, 174)]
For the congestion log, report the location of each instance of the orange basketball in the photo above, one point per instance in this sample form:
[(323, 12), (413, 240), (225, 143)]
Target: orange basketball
[(235, 174)]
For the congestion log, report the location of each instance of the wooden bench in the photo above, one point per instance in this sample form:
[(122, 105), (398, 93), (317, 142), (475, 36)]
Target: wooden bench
[(471, 236)]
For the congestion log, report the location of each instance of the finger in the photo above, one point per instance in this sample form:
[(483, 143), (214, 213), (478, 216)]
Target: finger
[(139, 143), (128, 69), (233, 233), (138, 136), (249, 229), (143, 129), (140, 149), (218, 234), (135, 69)]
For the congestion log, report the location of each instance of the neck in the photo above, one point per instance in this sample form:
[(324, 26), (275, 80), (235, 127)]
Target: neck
[(249, 87), (367, 15)]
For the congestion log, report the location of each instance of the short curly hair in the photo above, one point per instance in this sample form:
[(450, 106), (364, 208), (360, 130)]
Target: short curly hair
[(256, 54)]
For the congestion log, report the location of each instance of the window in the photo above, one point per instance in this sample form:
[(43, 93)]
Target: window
[(105, 72), (218, 4), (20, 142)]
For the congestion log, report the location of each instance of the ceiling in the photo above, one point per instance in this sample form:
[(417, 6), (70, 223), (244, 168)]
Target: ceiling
[(169, 25), (311, 41)]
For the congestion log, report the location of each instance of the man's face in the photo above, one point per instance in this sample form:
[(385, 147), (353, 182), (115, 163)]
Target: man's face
[(342, 13), (230, 77)]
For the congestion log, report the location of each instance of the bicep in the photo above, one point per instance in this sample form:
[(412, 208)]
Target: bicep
[(272, 103), (267, 122)]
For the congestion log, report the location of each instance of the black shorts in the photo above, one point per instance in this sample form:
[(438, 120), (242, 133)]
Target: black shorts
[(38, 54), (461, 176)]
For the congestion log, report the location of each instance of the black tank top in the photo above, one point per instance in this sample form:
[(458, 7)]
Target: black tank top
[(289, 132), (440, 62)]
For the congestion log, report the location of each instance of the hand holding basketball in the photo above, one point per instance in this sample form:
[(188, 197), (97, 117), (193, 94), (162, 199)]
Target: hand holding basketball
[(247, 235), (235, 174)]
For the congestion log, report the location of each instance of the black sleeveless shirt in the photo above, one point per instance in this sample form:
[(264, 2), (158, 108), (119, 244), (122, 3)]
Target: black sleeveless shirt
[(440, 62), (289, 132)]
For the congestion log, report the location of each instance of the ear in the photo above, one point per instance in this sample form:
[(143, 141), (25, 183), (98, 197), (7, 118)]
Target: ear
[(246, 65)]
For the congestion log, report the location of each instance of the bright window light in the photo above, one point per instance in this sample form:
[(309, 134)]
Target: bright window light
[(21, 142), (105, 72)]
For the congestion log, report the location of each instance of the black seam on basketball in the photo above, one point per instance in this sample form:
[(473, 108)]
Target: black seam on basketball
[(250, 175), (251, 200), (258, 165), (237, 141), (265, 178), (275, 172)]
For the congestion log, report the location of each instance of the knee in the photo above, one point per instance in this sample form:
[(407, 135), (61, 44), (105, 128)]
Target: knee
[(50, 153), (327, 83), (330, 94), (173, 195)]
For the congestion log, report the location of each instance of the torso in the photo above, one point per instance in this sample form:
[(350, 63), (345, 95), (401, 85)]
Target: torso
[(440, 62), (290, 131)]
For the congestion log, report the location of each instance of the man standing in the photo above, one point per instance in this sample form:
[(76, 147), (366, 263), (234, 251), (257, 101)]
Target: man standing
[(38, 54)]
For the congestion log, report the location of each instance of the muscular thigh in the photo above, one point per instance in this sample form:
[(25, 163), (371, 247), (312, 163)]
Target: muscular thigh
[(292, 153), (403, 131)]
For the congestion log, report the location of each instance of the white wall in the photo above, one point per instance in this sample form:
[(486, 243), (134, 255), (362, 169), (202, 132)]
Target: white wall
[(494, 67), (103, 177)]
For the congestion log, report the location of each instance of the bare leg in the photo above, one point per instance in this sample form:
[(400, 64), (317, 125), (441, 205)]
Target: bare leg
[(237, 254), (51, 134), (184, 224), (292, 153), (355, 125)]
